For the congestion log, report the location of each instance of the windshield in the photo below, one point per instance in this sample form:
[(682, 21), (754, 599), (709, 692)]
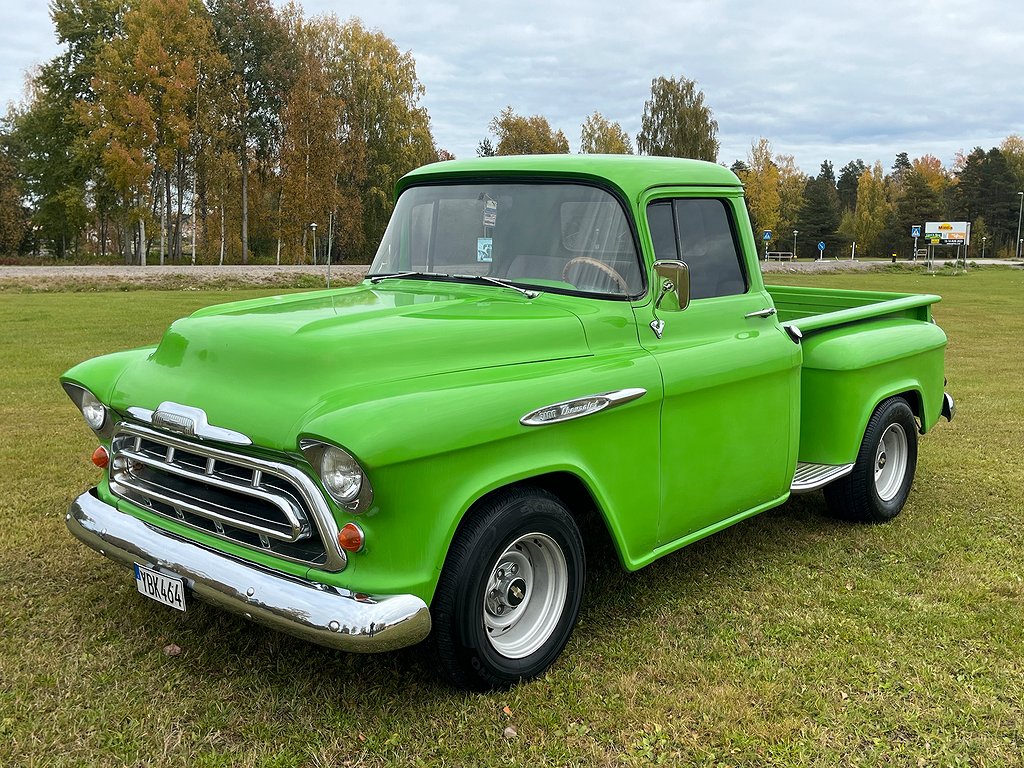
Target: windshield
[(569, 237)]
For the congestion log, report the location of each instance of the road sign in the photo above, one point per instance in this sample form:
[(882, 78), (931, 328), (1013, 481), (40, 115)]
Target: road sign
[(767, 235), (915, 230), (821, 246)]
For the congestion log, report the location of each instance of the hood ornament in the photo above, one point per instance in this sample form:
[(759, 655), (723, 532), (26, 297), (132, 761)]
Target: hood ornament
[(188, 421)]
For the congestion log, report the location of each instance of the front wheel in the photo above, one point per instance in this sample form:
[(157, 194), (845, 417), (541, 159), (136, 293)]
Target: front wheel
[(510, 591), (878, 487)]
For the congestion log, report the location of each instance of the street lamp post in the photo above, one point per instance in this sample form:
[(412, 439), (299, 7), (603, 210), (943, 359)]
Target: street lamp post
[(795, 233), (983, 241), (1020, 210), (313, 227)]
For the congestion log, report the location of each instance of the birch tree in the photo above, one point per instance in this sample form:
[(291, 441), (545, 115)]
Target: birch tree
[(676, 121)]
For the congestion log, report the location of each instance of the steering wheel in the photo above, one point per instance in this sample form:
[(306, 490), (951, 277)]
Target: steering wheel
[(600, 266)]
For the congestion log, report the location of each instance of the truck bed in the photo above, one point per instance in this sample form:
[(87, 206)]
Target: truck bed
[(859, 347), (814, 309)]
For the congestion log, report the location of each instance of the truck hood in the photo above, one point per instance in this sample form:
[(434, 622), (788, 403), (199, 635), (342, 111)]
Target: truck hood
[(264, 367)]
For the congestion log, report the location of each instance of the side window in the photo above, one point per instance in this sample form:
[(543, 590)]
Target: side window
[(663, 230), (703, 238)]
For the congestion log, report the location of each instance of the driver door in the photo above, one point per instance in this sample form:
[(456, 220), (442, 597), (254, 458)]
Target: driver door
[(731, 408)]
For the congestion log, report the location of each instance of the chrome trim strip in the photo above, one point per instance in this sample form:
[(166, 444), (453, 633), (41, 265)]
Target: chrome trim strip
[(317, 504), (579, 407), (298, 530), (322, 614), (77, 393), (187, 420), (948, 406), (313, 448), (140, 414), (810, 477), (296, 519)]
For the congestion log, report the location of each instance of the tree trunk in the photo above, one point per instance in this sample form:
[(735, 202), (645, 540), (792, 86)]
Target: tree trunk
[(222, 231), (330, 235), (143, 243), (280, 202), (245, 202), (177, 216), (163, 220)]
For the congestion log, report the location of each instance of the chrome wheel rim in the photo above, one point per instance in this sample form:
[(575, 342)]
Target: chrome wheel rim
[(890, 462), (525, 595)]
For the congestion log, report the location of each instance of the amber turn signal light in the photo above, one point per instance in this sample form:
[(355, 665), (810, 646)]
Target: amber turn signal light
[(100, 457), (350, 537)]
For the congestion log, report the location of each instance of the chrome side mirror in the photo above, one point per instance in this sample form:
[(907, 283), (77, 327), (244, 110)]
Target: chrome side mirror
[(677, 278)]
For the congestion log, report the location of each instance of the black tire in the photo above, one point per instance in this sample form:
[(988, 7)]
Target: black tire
[(862, 497), (470, 651)]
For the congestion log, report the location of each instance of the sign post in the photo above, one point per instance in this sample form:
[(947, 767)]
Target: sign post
[(945, 233), (821, 250), (915, 232), (767, 237)]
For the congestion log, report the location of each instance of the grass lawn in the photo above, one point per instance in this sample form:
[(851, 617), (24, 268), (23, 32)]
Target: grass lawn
[(790, 639)]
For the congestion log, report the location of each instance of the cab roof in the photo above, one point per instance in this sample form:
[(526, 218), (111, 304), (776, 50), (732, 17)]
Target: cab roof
[(632, 174)]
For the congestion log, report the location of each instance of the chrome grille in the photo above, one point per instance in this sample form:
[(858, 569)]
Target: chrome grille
[(263, 505)]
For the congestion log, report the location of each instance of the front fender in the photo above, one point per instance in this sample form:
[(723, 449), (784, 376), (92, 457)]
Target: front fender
[(100, 374), (432, 447)]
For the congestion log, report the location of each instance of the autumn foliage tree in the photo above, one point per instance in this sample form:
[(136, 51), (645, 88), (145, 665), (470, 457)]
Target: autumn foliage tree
[(760, 177), (383, 121), (520, 135), (676, 121), (600, 136), (252, 38), (141, 118), (14, 223)]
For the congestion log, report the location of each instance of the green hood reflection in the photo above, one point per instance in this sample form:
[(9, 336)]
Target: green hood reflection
[(261, 367)]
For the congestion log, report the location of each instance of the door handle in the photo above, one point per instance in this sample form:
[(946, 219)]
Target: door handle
[(766, 312)]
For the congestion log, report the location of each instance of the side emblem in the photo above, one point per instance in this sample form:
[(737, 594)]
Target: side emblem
[(579, 407)]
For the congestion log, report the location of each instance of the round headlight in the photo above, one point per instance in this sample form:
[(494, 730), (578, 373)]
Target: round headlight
[(340, 474), (93, 410)]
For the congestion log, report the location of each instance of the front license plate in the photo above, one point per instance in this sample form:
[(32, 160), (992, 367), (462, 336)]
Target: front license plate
[(169, 590)]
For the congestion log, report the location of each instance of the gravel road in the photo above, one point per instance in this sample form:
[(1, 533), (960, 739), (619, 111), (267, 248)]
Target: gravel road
[(100, 276), (58, 277)]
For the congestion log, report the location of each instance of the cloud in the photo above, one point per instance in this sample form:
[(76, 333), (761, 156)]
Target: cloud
[(819, 80)]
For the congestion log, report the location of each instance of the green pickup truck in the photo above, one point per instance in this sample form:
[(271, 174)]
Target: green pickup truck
[(542, 345)]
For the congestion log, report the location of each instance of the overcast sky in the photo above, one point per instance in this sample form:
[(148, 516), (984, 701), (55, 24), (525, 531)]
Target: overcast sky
[(867, 80)]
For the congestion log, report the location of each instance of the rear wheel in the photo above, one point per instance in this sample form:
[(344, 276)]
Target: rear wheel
[(510, 592), (878, 487)]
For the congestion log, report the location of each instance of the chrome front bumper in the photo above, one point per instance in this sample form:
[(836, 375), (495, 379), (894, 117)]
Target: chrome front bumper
[(948, 406), (322, 614)]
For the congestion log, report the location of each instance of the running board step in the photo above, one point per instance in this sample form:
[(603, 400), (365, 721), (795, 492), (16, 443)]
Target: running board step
[(811, 477)]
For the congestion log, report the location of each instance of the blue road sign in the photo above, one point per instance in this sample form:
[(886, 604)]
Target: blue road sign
[(915, 230), (821, 246), (767, 235)]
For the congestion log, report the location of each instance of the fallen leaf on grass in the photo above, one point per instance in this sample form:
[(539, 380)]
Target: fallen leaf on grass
[(507, 711), (510, 732), (172, 649)]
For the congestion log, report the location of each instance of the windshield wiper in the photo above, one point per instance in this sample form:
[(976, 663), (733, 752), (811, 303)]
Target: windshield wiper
[(390, 275), (497, 281)]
